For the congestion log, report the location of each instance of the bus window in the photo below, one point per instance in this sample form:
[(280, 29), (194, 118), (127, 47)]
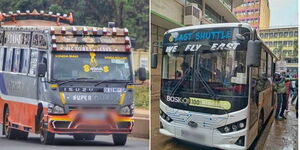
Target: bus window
[(24, 60), (2, 58), (8, 61), (33, 62), (270, 64), (16, 60)]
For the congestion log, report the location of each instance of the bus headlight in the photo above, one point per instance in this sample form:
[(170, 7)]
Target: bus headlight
[(55, 109), (236, 126), (127, 110)]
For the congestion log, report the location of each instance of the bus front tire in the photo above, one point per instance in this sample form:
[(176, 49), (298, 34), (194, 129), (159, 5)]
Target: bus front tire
[(119, 139), (47, 137), (10, 133), (84, 137)]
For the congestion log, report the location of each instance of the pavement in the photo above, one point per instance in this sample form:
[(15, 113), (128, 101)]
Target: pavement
[(141, 124), (65, 142), (284, 134), (277, 135)]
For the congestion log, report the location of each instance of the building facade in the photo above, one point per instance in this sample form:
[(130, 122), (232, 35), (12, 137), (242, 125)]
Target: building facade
[(169, 14), (254, 12), (284, 44)]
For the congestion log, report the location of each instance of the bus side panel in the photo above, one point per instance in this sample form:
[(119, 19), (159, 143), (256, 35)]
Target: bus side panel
[(1, 109)]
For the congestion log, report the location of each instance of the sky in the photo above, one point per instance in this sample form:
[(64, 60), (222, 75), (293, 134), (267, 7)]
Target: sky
[(283, 12)]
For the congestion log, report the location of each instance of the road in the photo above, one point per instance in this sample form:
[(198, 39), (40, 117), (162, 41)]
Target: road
[(284, 140), (65, 142)]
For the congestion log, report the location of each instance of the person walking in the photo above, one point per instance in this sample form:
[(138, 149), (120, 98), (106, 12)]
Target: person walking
[(280, 89)]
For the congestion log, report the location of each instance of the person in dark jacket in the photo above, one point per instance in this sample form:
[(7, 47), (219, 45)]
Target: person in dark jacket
[(280, 89)]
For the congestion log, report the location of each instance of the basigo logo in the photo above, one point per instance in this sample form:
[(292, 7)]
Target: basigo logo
[(178, 99)]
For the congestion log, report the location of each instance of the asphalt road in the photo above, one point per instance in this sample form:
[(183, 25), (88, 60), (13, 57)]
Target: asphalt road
[(65, 142)]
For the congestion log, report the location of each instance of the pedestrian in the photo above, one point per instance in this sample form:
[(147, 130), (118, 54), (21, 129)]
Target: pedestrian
[(288, 91), (295, 96), (280, 90)]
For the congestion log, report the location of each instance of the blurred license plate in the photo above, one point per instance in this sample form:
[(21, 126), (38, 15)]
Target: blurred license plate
[(191, 135), (94, 116)]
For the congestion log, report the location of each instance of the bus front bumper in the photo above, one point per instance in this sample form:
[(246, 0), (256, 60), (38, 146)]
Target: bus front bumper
[(73, 123), (207, 136)]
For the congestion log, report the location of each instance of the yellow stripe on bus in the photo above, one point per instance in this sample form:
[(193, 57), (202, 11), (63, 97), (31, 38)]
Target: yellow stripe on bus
[(62, 97), (122, 98)]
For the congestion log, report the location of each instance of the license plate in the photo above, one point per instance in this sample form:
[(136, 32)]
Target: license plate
[(94, 116), (191, 135)]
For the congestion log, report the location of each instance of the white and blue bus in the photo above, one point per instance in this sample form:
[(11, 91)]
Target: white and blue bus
[(216, 85)]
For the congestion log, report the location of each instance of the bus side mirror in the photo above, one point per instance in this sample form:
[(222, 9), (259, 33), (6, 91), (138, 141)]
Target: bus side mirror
[(142, 74), (154, 60), (42, 69), (253, 53)]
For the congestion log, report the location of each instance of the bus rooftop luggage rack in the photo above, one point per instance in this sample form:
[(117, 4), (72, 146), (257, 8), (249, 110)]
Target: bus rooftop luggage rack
[(58, 16)]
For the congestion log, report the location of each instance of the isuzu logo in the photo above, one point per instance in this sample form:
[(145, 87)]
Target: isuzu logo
[(193, 124)]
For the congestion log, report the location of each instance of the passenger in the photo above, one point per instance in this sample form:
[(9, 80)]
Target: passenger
[(185, 69), (280, 90), (239, 69)]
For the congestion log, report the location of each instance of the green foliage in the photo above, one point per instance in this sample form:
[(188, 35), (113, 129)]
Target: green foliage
[(141, 96), (132, 14)]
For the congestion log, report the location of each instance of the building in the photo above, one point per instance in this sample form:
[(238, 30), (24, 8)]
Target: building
[(168, 14), (254, 12), (284, 43)]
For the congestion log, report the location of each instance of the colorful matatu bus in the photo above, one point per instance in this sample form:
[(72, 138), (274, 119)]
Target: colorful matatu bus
[(216, 86), (62, 79)]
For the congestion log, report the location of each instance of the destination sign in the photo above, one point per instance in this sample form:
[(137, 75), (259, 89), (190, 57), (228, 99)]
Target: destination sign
[(200, 35), (91, 47)]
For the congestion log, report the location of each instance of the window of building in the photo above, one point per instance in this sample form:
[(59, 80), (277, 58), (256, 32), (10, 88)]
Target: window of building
[(275, 35), (275, 43), (279, 43), (266, 34), (291, 34), (296, 33), (285, 43), (188, 10), (271, 35), (196, 12), (286, 34), (280, 34)]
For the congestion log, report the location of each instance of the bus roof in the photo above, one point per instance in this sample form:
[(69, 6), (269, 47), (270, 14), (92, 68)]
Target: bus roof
[(205, 26)]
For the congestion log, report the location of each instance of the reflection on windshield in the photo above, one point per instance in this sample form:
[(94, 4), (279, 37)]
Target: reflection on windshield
[(91, 65), (215, 72)]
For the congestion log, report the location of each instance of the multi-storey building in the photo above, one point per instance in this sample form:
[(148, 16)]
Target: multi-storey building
[(283, 42), (254, 12), (168, 14)]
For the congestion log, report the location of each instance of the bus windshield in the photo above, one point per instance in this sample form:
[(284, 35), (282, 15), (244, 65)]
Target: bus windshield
[(93, 66), (214, 65)]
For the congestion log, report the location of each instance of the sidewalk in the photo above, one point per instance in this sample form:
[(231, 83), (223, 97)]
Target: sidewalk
[(141, 123), (283, 134)]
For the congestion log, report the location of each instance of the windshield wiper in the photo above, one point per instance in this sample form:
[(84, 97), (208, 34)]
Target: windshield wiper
[(180, 81), (74, 80), (107, 81), (206, 86)]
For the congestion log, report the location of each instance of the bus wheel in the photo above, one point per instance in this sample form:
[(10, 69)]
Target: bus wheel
[(10, 133), (46, 137), (260, 123), (84, 137), (119, 139)]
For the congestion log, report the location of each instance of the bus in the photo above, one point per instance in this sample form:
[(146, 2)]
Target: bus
[(57, 78), (216, 84)]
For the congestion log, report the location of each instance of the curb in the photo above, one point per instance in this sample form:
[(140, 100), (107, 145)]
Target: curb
[(140, 128)]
